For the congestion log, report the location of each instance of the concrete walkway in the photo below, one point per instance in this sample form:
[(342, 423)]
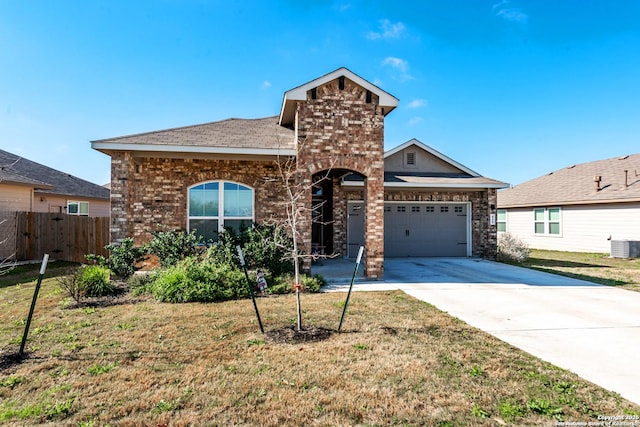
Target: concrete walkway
[(589, 329)]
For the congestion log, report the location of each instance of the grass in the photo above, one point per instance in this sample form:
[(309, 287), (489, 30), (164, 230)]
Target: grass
[(398, 361), (597, 268)]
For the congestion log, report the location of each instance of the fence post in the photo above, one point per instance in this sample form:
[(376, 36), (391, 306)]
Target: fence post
[(33, 304)]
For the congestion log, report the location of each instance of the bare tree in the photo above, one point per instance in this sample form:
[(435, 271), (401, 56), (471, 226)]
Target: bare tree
[(7, 263), (297, 188)]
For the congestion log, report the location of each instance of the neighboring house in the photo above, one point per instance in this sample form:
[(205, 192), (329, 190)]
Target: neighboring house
[(31, 187), (410, 201), (579, 208)]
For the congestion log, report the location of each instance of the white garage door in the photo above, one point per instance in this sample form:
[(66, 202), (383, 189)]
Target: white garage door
[(426, 229)]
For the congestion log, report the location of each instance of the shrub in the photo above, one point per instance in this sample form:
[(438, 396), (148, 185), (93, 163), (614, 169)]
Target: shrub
[(71, 284), (283, 284), (265, 247), (312, 283), (95, 281), (512, 249), (170, 285), (123, 258), (194, 281), (172, 246), (140, 283)]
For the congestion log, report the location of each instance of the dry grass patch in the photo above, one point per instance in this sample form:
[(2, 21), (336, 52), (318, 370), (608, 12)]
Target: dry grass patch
[(398, 362), (598, 268)]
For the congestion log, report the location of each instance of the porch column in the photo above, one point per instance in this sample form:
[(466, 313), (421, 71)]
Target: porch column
[(374, 225)]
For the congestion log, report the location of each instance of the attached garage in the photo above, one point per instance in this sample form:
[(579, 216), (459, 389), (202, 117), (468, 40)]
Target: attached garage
[(426, 229), (417, 229)]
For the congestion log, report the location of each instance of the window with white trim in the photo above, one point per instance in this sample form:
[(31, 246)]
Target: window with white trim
[(546, 221), (216, 205), (78, 208), (502, 220)]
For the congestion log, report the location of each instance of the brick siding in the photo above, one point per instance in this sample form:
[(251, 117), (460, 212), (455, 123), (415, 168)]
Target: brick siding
[(340, 130)]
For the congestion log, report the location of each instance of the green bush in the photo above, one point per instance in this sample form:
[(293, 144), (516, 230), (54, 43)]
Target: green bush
[(172, 246), (123, 258), (265, 247), (171, 285), (95, 280), (195, 281), (282, 284), (140, 283), (312, 283)]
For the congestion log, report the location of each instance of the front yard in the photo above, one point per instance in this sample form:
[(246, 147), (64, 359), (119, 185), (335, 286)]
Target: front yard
[(134, 361)]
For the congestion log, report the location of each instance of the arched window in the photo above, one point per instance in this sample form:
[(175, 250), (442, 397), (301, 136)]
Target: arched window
[(219, 204)]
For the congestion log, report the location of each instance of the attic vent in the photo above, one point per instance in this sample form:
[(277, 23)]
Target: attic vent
[(341, 82), (314, 93), (571, 167), (368, 100), (411, 158), (623, 157)]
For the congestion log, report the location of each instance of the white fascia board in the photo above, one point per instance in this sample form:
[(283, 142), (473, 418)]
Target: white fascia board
[(300, 93), (107, 146), (425, 186), (433, 152)]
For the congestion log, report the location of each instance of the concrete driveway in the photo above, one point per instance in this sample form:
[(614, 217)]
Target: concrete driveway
[(589, 329)]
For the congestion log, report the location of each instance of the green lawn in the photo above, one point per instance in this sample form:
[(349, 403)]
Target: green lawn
[(598, 268)]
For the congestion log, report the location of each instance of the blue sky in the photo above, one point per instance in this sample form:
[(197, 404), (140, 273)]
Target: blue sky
[(512, 89)]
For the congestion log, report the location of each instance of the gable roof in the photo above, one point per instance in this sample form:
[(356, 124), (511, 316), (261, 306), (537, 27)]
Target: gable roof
[(466, 179), (287, 112), (231, 136), (431, 151), (48, 180), (10, 177), (576, 185)]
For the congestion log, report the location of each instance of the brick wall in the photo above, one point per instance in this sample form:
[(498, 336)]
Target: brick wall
[(149, 194), (339, 130)]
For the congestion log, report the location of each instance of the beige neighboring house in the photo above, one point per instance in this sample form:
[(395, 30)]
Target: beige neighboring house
[(587, 207), (27, 186)]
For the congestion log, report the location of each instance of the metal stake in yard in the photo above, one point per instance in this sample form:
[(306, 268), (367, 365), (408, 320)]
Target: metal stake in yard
[(355, 271), (253, 298), (33, 303)]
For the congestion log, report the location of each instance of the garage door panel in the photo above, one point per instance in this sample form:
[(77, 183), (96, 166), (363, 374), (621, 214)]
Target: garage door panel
[(425, 229)]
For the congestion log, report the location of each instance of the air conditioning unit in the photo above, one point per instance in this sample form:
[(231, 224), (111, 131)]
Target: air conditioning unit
[(625, 249)]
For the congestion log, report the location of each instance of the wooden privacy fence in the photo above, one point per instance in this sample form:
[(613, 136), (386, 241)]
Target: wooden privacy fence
[(64, 237)]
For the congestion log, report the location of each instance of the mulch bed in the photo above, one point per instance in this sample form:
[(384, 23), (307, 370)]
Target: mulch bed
[(290, 334)]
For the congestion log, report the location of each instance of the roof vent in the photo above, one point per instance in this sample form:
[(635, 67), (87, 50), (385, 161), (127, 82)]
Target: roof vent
[(571, 167), (623, 157), (596, 180)]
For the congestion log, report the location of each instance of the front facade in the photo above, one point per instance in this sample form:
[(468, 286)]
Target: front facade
[(581, 208), (329, 142)]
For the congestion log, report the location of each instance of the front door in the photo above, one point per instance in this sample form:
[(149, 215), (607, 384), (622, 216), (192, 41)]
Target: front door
[(355, 228)]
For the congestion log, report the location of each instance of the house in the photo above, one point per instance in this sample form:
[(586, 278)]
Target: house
[(581, 208), (27, 186), (409, 201)]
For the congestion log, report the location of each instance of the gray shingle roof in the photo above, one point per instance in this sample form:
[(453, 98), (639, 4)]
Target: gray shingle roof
[(9, 176), (575, 185), (58, 182), (232, 133)]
